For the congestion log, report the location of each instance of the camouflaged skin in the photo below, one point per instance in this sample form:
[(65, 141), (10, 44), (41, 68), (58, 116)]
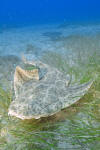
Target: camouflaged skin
[(47, 96), (21, 76)]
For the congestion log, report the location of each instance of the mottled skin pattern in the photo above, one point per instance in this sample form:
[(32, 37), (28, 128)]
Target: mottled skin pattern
[(21, 76), (47, 96)]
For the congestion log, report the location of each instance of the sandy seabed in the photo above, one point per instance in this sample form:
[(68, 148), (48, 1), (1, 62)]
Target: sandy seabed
[(37, 39)]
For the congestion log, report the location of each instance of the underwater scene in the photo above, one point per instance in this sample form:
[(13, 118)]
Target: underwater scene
[(50, 75)]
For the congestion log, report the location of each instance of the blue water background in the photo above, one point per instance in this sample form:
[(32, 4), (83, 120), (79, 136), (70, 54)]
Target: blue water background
[(26, 12)]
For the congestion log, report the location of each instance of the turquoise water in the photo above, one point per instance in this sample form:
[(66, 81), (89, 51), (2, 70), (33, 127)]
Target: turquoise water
[(73, 49), (66, 35)]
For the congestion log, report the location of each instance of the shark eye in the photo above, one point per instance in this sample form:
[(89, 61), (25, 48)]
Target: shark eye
[(30, 67)]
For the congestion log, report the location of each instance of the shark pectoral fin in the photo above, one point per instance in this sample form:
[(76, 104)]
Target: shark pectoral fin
[(80, 90), (21, 76)]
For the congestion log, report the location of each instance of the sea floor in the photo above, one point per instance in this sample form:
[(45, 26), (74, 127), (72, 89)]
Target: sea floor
[(73, 49), (35, 40)]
